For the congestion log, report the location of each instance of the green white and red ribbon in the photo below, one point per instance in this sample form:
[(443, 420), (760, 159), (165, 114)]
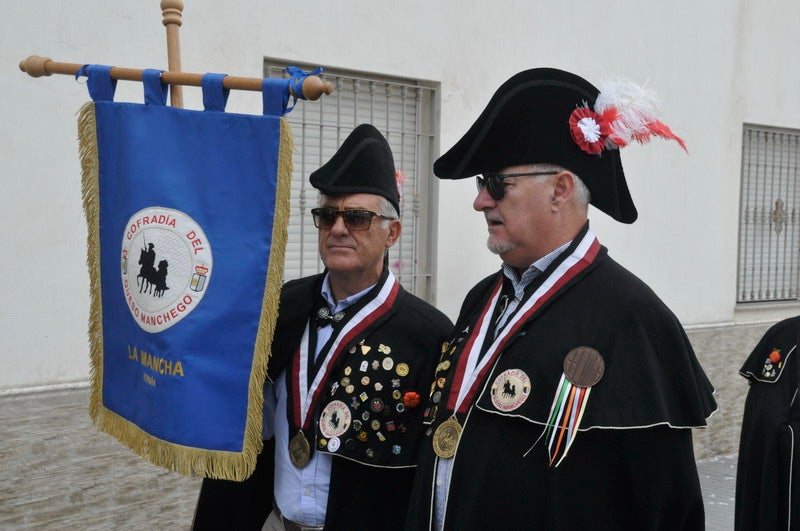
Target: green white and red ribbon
[(564, 419)]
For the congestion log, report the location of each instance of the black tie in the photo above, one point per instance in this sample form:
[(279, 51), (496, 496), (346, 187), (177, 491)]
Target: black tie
[(323, 317)]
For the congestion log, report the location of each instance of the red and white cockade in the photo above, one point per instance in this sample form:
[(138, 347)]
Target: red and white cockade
[(623, 112)]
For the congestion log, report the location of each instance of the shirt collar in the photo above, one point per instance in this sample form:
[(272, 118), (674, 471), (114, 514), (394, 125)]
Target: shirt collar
[(344, 303), (520, 283)]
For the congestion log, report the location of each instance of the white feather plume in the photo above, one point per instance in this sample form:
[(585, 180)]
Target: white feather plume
[(636, 108)]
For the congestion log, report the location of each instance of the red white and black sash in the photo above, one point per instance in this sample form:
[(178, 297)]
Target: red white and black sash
[(303, 397), (472, 369)]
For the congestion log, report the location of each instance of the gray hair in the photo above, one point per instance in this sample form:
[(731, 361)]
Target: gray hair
[(581, 194), (386, 209)]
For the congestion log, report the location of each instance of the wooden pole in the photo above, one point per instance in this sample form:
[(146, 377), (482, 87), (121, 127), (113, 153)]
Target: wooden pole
[(172, 11), (35, 66)]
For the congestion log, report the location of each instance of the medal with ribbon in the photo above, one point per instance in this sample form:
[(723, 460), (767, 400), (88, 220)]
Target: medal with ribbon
[(305, 390), (583, 368), (472, 368)]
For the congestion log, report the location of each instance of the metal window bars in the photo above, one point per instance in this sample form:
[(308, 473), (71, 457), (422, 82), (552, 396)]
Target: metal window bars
[(404, 111), (769, 236)]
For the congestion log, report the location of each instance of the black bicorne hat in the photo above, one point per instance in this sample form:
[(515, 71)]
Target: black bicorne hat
[(362, 165), (527, 121)]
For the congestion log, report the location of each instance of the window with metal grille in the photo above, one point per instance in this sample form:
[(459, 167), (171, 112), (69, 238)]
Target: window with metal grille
[(768, 217), (404, 111)]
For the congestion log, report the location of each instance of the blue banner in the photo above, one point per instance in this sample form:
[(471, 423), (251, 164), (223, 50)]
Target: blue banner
[(187, 214)]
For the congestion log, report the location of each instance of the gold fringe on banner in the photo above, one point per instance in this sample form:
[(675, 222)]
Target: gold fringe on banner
[(90, 190), (186, 460), (269, 308)]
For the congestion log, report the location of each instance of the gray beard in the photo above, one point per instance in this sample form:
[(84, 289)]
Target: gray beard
[(499, 246)]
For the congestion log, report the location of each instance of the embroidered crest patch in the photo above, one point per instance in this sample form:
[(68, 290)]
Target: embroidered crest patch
[(335, 419), (510, 389), (166, 265)]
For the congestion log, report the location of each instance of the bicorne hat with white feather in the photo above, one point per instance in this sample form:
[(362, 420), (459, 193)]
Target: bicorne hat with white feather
[(545, 115)]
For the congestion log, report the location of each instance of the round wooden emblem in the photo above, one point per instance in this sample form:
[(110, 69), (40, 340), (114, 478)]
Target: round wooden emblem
[(584, 366)]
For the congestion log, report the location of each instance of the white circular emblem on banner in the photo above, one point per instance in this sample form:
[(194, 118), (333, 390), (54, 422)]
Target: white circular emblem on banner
[(510, 389), (166, 267), (335, 419)]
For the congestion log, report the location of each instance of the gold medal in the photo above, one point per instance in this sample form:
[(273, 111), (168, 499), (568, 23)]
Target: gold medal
[(445, 438), (299, 450)]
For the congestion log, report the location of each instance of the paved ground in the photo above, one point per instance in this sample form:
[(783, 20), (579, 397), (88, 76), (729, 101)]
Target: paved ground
[(718, 481), (58, 472)]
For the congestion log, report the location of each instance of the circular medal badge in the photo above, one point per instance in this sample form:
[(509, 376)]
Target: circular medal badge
[(446, 437), (335, 419), (299, 450), (166, 267), (510, 389), (334, 444)]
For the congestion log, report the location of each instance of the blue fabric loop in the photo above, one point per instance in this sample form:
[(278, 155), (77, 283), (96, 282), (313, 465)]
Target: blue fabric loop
[(185, 152), (101, 85), (275, 96), (155, 92), (297, 77), (215, 96)]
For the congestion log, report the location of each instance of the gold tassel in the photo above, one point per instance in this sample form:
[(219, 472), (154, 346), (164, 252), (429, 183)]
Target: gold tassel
[(272, 291), (90, 189), (186, 460)]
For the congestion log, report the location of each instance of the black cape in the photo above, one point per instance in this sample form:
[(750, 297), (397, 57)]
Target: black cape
[(767, 483), (370, 480), (632, 464)]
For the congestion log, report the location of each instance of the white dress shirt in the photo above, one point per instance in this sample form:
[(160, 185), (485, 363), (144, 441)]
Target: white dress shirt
[(301, 493)]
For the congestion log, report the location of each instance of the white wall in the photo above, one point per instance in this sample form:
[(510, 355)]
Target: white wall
[(715, 64)]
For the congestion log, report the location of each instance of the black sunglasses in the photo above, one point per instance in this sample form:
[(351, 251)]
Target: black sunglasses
[(493, 182), (355, 219)]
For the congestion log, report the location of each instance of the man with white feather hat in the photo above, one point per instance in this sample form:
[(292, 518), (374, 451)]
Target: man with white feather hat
[(566, 398)]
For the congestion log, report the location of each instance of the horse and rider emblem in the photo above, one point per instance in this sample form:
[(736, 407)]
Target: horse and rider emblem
[(510, 389), (335, 420), (166, 265), (149, 276)]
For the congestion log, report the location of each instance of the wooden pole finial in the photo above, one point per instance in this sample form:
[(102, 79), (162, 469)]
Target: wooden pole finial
[(314, 87), (172, 11), (35, 66)]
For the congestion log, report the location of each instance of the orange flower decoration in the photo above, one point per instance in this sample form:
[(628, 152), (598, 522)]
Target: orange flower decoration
[(411, 399), (775, 356)]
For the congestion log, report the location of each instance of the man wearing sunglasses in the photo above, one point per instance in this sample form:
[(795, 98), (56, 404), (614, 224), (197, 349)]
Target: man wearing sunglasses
[(352, 355), (565, 398)]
